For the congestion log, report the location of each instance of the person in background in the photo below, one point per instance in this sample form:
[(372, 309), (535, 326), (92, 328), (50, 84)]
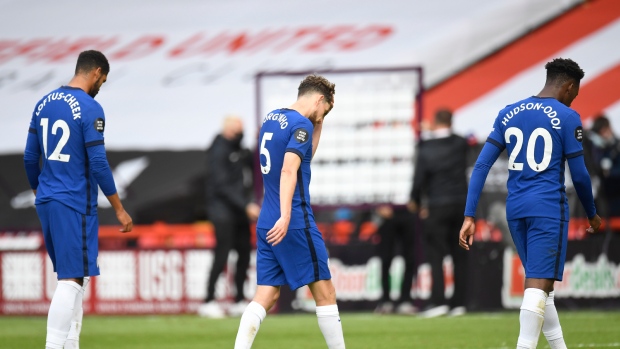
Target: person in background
[(230, 208), (396, 228), (440, 178), (601, 150)]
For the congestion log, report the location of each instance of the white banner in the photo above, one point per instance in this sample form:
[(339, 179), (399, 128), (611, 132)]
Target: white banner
[(178, 67)]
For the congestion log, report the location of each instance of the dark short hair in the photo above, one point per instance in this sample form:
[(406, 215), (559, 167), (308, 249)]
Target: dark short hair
[(560, 70), (91, 59), (600, 122), (317, 83), (443, 117)]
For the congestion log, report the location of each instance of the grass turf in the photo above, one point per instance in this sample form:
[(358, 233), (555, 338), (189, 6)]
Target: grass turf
[(483, 331)]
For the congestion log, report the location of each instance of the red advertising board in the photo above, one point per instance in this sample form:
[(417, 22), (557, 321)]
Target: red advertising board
[(131, 282)]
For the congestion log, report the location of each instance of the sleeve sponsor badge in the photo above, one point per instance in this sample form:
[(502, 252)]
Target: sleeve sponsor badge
[(99, 125), (579, 134), (301, 135)]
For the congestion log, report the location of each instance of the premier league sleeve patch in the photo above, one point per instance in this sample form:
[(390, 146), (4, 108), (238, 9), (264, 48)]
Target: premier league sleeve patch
[(579, 134), (301, 135), (99, 125)]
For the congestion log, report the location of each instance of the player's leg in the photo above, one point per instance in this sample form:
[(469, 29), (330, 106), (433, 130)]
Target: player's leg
[(64, 232), (551, 326), (269, 277), (314, 265), (224, 230), (532, 313), (386, 253), (303, 259), (92, 253), (61, 312), (254, 314), (541, 246), (324, 295), (73, 339)]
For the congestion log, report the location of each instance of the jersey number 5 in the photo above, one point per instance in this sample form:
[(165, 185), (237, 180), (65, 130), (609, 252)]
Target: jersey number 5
[(263, 151), (56, 155), (531, 145)]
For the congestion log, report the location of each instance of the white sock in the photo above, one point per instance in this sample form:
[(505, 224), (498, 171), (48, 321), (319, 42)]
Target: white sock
[(531, 318), (60, 313), (330, 325), (251, 319), (552, 328), (73, 339)]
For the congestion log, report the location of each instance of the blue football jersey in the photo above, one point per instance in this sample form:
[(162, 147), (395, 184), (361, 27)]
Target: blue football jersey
[(539, 134), (282, 131), (66, 122)]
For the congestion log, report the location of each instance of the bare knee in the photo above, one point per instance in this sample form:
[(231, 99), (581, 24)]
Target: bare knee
[(267, 296), (79, 281), (541, 284), (323, 292)]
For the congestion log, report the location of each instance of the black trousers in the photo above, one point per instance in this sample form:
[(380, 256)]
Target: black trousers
[(397, 232), (441, 237), (230, 234)]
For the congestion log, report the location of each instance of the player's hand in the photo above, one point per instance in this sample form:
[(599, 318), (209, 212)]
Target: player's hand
[(125, 220), (595, 223), (278, 232), (466, 236), (252, 210)]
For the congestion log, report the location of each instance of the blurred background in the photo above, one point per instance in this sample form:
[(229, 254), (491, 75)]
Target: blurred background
[(178, 68)]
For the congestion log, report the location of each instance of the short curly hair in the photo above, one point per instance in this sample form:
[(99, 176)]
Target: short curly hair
[(317, 83), (560, 70), (91, 59)]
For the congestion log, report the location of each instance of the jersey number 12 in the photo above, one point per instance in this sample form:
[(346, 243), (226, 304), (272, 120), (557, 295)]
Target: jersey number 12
[(56, 155), (531, 145)]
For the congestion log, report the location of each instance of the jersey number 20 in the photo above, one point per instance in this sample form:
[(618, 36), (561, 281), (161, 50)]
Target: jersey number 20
[(56, 155), (531, 145), (263, 151)]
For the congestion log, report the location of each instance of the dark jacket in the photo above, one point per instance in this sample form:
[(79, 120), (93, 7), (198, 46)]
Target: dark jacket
[(229, 179), (602, 159), (440, 171)]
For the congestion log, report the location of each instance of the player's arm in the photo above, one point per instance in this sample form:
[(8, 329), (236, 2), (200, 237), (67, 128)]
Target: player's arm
[(316, 136), (99, 167), (288, 182), (573, 151), (93, 126), (32, 154), (582, 184), (489, 154)]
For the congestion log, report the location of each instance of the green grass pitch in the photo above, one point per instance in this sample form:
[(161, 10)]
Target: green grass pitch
[(362, 330)]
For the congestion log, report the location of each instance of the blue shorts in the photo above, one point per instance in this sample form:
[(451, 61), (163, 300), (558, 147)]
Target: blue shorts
[(299, 259), (541, 244), (70, 239)]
